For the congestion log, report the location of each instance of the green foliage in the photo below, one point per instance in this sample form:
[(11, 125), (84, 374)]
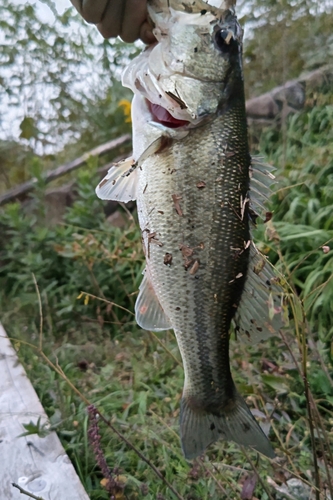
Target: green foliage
[(39, 428), (83, 253), (15, 159), (59, 85), (129, 374), (303, 209), (296, 35)]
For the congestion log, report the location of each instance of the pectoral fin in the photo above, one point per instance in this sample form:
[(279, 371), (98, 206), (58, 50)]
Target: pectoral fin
[(120, 183), (149, 313)]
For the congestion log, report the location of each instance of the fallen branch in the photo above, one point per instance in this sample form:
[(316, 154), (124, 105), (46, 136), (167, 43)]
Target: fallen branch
[(25, 492), (289, 97), (50, 175)]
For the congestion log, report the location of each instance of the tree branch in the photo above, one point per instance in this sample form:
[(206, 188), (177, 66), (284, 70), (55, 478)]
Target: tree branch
[(50, 175), (25, 492)]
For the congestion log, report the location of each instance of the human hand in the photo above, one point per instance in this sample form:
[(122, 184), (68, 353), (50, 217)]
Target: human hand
[(124, 18)]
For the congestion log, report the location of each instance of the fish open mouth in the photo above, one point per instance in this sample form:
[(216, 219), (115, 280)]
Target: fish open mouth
[(162, 116)]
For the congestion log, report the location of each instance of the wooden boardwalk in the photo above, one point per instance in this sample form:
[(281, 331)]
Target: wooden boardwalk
[(39, 465)]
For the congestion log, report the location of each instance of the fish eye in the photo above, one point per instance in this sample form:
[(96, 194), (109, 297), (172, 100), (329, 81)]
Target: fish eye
[(225, 41)]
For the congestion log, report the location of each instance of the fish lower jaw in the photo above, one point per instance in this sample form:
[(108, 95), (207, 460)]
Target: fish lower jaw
[(162, 116)]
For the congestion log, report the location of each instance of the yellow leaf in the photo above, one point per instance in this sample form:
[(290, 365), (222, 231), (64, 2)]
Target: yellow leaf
[(121, 479), (17, 346), (86, 300), (126, 105)]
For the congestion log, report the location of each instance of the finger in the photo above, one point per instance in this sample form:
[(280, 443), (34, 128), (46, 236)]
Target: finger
[(146, 33), (110, 25), (135, 14), (92, 11)]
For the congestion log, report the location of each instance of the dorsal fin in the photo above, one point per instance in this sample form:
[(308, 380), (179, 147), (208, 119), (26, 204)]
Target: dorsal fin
[(260, 312), (260, 184)]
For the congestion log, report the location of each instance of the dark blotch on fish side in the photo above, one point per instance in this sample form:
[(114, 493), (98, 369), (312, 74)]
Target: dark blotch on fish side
[(246, 427), (167, 259), (212, 426)]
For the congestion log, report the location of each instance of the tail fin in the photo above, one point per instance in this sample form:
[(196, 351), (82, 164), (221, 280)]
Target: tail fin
[(199, 429)]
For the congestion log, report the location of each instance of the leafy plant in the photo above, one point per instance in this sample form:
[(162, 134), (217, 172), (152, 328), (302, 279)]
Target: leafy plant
[(88, 273), (296, 35), (303, 210), (84, 253)]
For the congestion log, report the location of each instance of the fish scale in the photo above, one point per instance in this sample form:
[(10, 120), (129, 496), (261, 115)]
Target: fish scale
[(196, 304), (192, 185)]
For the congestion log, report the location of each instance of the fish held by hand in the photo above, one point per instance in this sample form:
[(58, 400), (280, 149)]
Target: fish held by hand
[(198, 192)]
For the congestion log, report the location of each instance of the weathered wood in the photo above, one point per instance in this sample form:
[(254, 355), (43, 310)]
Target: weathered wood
[(49, 176), (38, 465)]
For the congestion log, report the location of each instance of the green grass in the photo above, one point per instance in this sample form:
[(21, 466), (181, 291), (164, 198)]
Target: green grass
[(135, 379)]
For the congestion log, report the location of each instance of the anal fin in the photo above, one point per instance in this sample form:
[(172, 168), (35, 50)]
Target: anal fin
[(149, 313)]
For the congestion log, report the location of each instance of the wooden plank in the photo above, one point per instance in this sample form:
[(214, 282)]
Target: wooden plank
[(49, 176), (39, 465)]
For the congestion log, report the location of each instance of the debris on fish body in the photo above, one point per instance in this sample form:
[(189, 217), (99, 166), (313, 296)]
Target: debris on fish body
[(197, 192)]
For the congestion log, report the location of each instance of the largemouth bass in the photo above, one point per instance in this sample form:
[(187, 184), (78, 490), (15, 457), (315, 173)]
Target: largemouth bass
[(190, 174)]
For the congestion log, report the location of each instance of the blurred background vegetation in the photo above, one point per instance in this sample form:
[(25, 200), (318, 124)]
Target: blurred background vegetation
[(59, 97)]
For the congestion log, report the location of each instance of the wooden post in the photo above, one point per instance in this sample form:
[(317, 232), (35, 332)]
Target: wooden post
[(38, 465)]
